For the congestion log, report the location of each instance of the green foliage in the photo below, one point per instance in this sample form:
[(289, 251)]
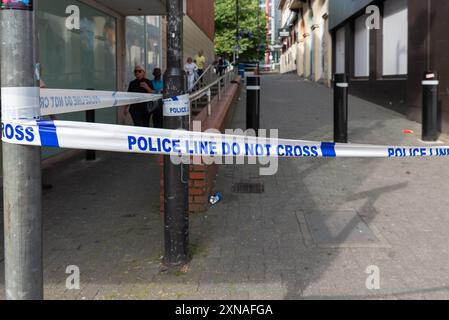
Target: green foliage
[(226, 24)]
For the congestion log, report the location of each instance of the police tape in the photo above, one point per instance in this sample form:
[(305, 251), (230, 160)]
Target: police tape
[(24, 102), (104, 137), (58, 101), (178, 106)]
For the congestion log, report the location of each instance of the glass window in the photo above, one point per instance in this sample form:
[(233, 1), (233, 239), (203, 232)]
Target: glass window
[(77, 58), (361, 48), (143, 44), (395, 37), (135, 44), (154, 42)]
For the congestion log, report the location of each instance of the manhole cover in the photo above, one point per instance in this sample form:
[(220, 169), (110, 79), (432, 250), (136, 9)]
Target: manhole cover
[(248, 188), (342, 229)]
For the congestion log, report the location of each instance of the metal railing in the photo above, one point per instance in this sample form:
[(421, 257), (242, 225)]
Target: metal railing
[(222, 83), (206, 77), (272, 67)]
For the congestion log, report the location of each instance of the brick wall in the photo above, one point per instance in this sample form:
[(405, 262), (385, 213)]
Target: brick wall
[(202, 177), (203, 13)]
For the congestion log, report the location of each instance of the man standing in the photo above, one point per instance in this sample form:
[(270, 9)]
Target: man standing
[(201, 64)]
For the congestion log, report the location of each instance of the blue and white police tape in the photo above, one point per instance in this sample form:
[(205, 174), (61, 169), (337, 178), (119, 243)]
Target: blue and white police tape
[(25, 102), (104, 137), (177, 106), (56, 101)]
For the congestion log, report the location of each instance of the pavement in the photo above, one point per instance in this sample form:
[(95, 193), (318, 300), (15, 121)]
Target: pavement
[(314, 232)]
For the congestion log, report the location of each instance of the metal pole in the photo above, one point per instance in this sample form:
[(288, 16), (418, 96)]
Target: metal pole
[(430, 107), (176, 177), (253, 103), (22, 183), (209, 107), (341, 108)]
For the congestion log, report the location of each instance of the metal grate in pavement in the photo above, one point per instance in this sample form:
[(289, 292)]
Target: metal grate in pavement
[(248, 188)]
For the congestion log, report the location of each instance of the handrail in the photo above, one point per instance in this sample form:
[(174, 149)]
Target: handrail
[(201, 93), (202, 76)]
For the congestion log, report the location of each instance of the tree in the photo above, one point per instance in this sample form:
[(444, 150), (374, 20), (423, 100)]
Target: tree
[(252, 29)]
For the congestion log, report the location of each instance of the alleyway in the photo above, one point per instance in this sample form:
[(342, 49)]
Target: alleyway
[(312, 234)]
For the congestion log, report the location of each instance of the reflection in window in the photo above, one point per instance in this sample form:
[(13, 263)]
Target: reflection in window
[(361, 48), (143, 44), (77, 59)]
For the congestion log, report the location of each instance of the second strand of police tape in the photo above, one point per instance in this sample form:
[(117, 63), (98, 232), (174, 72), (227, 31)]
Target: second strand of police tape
[(20, 102), (104, 137)]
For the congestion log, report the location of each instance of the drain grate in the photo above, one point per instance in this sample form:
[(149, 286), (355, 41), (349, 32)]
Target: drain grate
[(248, 188)]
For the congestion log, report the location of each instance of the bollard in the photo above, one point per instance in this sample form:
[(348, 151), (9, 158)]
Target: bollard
[(430, 107), (253, 103), (90, 117), (341, 108)]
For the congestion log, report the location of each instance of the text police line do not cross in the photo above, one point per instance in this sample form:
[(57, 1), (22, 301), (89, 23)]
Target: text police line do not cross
[(79, 135)]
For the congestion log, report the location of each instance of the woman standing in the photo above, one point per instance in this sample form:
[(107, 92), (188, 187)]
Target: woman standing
[(139, 111), (190, 68)]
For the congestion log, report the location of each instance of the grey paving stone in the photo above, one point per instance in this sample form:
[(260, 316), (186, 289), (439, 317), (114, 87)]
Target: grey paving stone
[(104, 217)]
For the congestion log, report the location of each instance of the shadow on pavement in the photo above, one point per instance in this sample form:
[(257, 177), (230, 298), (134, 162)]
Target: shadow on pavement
[(104, 218)]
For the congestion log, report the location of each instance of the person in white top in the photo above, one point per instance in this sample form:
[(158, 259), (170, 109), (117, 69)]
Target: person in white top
[(190, 68)]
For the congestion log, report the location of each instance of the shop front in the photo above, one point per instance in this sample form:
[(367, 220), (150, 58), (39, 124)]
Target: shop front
[(77, 50), (85, 45)]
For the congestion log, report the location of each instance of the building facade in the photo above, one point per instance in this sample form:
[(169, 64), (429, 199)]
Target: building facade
[(386, 65), (270, 7), (95, 44), (306, 41)]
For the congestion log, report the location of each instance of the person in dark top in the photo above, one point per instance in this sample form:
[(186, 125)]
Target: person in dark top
[(221, 66), (139, 112), (158, 86)]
